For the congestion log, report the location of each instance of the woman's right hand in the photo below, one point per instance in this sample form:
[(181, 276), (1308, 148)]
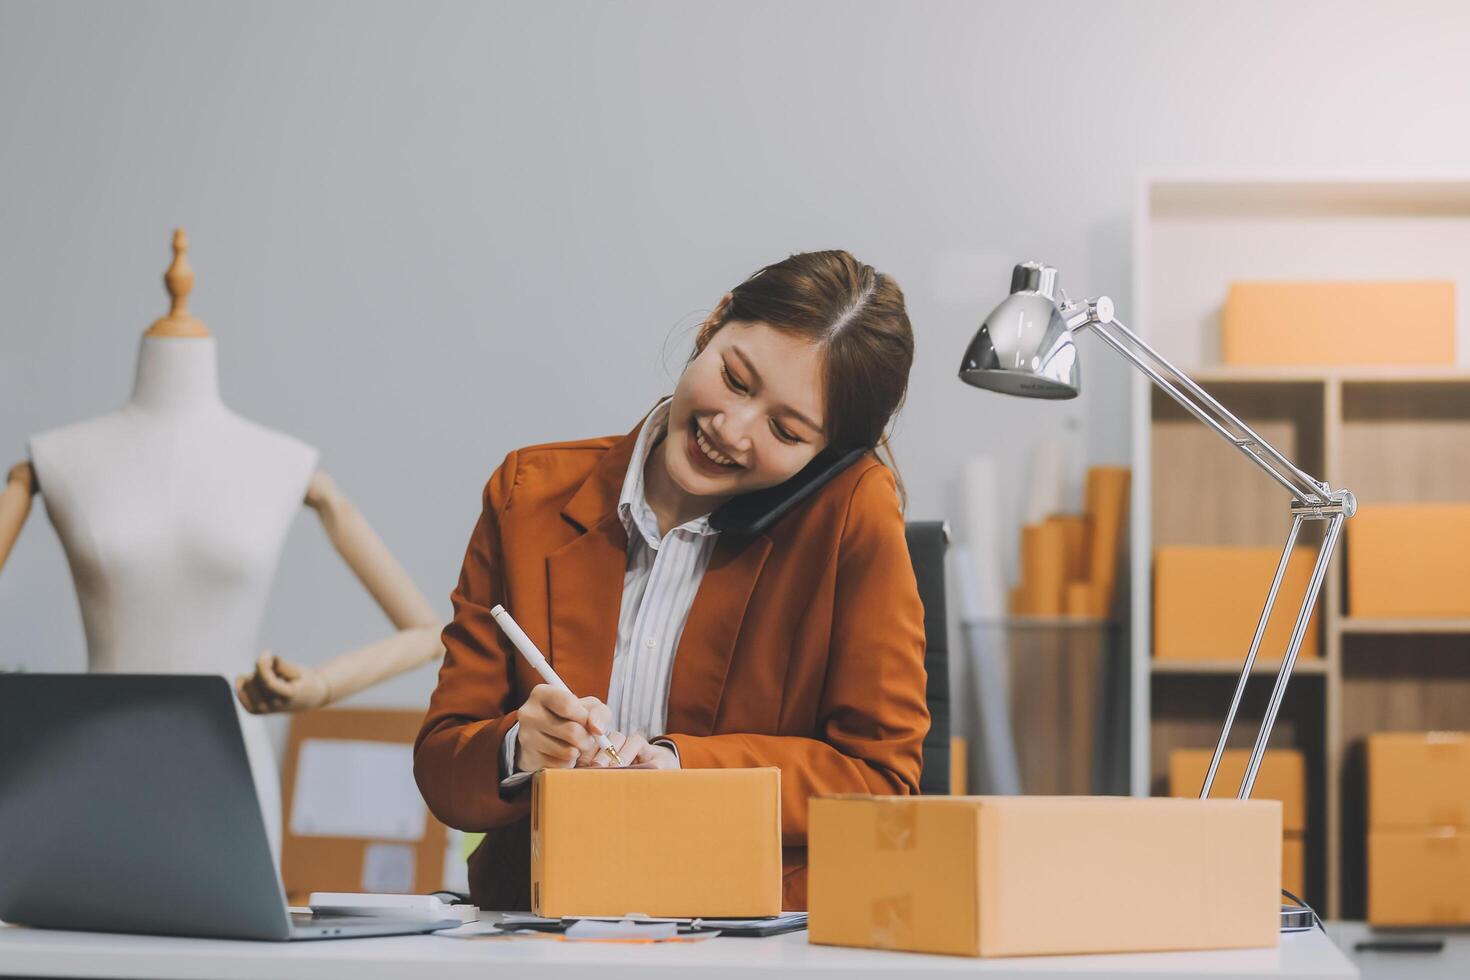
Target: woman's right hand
[(558, 731)]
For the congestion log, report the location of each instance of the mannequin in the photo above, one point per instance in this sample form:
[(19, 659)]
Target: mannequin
[(173, 511)]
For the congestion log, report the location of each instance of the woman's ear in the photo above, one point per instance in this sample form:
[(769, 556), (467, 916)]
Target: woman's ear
[(713, 322)]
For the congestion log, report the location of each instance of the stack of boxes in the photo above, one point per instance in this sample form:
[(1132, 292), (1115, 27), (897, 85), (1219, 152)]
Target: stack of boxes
[(1282, 776), (1069, 562), (1419, 828)]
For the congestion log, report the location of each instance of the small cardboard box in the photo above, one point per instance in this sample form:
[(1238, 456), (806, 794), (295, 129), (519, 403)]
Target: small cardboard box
[(1282, 776), (1023, 875), (1419, 877), (1418, 780), (1207, 602), (1409, 560), (1339, 323), (686, 842)]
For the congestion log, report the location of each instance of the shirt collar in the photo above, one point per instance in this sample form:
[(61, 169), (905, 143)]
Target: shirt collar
[(633, 507)]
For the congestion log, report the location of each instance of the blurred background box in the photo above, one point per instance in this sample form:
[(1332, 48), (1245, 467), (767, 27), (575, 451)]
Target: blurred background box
[(1418, 828), (1282, 776), (1419, 877), (354, 818), (1349, 322), (1418, 780), (1409, 559), (918, 874), (1208, 601)]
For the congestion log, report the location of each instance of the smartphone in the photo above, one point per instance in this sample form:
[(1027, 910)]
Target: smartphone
[(759, 510)]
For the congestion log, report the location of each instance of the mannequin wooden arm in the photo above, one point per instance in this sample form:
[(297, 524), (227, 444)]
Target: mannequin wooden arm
[(279, 685), (15, 506), (367, 556)]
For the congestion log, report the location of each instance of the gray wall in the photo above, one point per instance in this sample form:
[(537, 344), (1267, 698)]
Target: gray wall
[(426, 233)]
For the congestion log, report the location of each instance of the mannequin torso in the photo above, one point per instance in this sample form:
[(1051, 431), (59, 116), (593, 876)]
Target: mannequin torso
[(172, 512)]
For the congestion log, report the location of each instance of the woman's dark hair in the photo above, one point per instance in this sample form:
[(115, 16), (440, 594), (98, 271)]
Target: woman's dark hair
[(855, 315)]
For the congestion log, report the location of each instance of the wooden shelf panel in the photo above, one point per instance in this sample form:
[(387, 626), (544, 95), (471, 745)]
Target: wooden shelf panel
[(1309, 666), (1390, 627), (1304, 374)]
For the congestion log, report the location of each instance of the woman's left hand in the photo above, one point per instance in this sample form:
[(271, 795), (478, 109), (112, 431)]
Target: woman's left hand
[(636, 750)]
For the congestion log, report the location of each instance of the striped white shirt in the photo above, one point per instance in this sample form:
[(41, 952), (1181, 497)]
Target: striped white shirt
[(659, 584)]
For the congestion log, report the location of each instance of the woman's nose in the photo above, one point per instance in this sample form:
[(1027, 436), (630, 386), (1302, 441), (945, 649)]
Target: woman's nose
[(733, 429)]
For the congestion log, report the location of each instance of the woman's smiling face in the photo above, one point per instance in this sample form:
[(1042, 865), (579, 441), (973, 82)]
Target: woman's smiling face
[(747, 413)]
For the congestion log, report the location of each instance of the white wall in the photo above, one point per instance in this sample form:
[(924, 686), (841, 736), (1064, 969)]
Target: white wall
[(426, 233)]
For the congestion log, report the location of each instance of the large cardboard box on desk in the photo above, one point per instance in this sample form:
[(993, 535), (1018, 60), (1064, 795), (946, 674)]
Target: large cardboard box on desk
[(1339, 323), (1418, 780), (684, 842), (1409, 560), (1024, 875), (1208, 601)]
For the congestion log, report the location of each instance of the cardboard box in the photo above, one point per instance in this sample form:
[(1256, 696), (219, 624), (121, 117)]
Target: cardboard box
[(1019, 875), (686, 842), (1409, 560), (1418, 780), (1105, 502), (1294, 864), (1339, 323), (365, 828), (1418, 877), (959, 765), (1207, 602), (1282, 776)]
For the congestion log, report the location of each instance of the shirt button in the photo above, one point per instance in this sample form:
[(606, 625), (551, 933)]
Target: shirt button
[(649, 643)]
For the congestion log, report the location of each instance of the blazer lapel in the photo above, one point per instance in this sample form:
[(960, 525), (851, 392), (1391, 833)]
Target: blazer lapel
[(584, 577), (703, 659)]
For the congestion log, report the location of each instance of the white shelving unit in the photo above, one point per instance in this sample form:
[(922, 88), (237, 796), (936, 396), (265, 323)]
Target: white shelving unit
[(1194, 234)]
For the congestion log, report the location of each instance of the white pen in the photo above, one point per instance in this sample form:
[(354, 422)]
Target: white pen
[(528, 650)]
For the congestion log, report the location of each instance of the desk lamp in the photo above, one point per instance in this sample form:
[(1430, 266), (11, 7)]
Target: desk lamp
[(1025, 347)]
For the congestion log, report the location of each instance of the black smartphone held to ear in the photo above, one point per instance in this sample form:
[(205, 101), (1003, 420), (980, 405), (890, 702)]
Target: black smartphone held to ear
[(757, 511)]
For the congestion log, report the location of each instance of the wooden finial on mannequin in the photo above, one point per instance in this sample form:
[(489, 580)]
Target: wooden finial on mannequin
[(180, 282)]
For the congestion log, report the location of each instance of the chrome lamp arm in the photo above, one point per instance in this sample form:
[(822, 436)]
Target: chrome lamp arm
[(1312, 500)]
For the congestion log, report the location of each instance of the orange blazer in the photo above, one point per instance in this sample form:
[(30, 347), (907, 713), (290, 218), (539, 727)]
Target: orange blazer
[(804, 649)]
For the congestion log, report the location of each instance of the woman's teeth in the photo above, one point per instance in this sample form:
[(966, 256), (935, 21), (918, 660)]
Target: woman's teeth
[(711, 452)]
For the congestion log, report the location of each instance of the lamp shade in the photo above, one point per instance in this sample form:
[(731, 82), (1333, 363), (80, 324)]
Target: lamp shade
[(1024, 346)]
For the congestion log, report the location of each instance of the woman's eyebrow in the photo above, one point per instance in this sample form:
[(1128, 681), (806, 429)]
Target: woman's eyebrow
[(785, 409)]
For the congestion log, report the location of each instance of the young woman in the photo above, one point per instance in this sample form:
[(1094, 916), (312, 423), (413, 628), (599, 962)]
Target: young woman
[(801, 647)]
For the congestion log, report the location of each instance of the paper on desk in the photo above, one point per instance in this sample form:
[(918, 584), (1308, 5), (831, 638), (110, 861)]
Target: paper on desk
[(347, 788), (621, 929)]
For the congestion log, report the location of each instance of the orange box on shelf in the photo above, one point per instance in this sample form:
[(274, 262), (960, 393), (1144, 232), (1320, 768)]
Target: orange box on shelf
[(1409, 560), (1024, 875), (1294, 864), (1351, 322), (1207, 602), (1282, 776), (1419, 877), (684, 842), (1418, 780)]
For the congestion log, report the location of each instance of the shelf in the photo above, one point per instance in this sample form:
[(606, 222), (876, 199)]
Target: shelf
[(1315, 665), (1350, 624), (1409, 374)]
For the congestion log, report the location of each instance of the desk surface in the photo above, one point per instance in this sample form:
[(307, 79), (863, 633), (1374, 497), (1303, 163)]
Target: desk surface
[(470, 953)]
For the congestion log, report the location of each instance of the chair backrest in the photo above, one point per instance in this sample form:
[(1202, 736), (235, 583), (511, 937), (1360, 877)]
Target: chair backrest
[(928, 541)]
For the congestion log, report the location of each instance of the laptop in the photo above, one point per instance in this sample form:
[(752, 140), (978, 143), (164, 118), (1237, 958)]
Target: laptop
[(127, 805)]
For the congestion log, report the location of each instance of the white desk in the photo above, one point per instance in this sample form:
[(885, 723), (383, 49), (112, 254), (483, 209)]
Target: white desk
[(468, 953)]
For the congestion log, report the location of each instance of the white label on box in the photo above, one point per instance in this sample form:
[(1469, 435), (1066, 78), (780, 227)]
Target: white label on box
[(356, 789), (388, 868)]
